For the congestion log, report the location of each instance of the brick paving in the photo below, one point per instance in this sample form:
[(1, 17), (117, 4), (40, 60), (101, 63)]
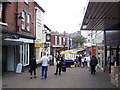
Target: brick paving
[(72, 78)]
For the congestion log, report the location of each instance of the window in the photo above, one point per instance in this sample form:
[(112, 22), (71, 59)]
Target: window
[(55, 40), (23, 20), (24, 54), (28, 22), (60, 40), (64, 41), (0, 11)]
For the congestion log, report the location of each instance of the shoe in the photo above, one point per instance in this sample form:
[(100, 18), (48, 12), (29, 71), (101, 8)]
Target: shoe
[(30, 77), (55, 73), (42, 78), (59, 74), (35, 77)]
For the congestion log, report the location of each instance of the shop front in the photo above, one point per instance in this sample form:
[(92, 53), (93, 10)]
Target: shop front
[(113, 49)]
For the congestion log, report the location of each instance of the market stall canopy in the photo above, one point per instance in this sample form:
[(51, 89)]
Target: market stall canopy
[(67, 52)]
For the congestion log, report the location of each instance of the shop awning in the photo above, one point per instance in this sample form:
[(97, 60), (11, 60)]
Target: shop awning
[(101, 16), (5, 42)]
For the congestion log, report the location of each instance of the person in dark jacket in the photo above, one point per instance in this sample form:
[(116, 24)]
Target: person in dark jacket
[(59, 61), (93, 63), (33, 66)]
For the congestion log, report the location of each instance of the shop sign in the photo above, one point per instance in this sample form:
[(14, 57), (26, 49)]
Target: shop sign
[(38, 45)]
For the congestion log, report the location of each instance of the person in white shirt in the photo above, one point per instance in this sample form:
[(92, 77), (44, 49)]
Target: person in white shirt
[(88, 60), (44, 61), (83, 60)]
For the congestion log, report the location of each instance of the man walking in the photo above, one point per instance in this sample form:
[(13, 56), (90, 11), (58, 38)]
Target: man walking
[(93, 63), (44, 61)]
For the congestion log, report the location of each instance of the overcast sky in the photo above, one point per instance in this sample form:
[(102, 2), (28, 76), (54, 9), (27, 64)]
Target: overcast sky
[(63, 15)]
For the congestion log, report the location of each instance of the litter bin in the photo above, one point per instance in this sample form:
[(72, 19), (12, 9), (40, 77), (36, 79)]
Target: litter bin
[(64, 67)]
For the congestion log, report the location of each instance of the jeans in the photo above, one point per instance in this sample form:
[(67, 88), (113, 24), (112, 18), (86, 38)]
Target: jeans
[(44, 71)]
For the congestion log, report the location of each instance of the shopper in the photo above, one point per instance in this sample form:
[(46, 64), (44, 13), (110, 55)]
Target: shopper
[(44, 62), (32, 66), (88, 60), (83, 60), (93, 63)]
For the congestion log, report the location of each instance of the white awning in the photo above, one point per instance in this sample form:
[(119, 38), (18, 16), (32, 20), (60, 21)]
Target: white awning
[(21, 39)]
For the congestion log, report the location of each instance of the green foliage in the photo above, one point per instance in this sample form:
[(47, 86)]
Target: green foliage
[(79, 39)]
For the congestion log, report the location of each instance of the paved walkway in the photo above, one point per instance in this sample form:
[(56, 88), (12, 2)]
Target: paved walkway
[(72, 78)]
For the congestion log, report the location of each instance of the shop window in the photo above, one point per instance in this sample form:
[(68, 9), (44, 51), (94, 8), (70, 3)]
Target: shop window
[(24, 54)]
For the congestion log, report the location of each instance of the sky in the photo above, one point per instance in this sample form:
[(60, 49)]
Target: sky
[(63, 15)]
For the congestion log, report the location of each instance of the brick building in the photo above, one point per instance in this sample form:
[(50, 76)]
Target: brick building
[(59, 42), (18, 34)]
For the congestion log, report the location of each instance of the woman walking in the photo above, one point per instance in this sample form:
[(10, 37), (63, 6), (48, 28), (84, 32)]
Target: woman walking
[(32, 66)]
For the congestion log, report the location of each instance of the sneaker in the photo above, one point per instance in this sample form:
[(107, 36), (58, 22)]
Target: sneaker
[(42, 78), (45, 78)]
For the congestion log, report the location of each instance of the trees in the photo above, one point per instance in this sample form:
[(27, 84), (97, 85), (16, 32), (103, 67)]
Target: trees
[(79, 39)]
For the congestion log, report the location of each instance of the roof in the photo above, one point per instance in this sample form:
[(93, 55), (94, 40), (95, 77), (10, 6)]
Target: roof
[(39, 6)]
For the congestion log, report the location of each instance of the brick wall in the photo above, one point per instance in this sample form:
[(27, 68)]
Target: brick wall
[(10, 16)]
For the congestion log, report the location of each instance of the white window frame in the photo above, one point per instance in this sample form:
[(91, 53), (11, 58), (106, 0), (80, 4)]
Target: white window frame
[(24, 54), (55, 40), (1, 10), (64, 41), (28, 22), (60, 39), (23, 20)]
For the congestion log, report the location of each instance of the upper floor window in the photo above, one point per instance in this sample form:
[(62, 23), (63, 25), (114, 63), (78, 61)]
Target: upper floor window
[(23, 20), (26, 1), (55, 40), (28, 22), (60, 41), (63, 39), (0, 11)]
